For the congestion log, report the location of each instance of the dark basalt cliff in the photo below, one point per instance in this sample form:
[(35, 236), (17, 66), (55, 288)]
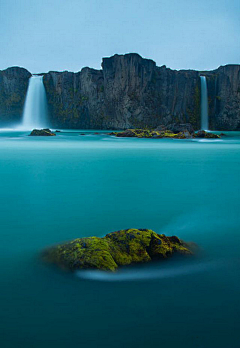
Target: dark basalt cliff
[(224, 97), (128, 92), (13, 89)]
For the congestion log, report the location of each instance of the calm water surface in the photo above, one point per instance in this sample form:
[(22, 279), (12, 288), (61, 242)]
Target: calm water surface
[(68, 186)]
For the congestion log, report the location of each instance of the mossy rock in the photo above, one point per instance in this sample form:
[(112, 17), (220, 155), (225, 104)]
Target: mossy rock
[(42, 132), (116, 249), (207, 135), (148, 133)]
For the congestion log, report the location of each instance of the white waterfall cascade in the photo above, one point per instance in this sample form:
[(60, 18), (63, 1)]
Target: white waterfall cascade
[(204, 103), (35, 113)]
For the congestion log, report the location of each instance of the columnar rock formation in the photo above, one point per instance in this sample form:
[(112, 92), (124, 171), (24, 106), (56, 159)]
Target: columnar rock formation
[(128, 91), (13, 90), (224, 97)]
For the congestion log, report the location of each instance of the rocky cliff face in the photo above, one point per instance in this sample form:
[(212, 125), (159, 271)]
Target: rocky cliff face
[(13, 89), (129, 91), (224, 97), (75, 99)]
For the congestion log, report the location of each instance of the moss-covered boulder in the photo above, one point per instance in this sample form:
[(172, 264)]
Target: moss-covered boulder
[(116, 249), (42, 132), (207, 135)]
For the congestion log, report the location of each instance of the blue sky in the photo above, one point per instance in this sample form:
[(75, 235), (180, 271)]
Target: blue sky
[(61, 35)]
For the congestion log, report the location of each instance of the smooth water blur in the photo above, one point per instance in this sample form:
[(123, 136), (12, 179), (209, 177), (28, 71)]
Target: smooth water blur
[(58, 188), (35, 113), (204, 103)]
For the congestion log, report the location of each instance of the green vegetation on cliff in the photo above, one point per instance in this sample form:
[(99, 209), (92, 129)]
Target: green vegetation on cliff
[(116, 249)]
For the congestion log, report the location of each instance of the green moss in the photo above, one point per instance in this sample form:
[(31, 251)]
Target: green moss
[(116, 249), (129, 246), (92, 252), (145, 133)]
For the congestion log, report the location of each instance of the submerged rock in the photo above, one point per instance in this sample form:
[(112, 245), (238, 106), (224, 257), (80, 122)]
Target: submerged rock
[(42, 132), (116, 249)]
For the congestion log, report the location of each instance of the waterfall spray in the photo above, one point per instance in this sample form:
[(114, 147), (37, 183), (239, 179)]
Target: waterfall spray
[(35, 108)]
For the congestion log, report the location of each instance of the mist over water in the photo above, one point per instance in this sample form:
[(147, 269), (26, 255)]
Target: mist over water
[(59, 188), (35, 113), (204, 103), (149, 273)]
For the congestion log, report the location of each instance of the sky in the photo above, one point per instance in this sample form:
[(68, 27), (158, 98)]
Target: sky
[(44, 35)]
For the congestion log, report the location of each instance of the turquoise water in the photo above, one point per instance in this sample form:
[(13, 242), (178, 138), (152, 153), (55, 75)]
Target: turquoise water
[(68, 186)]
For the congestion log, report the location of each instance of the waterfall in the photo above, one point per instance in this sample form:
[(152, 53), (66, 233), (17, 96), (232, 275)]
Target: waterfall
[(35, 107), (204, 103)]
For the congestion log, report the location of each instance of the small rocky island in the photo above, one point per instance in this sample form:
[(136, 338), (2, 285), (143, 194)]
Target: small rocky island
[(116, 249), (42, 132), (175, 131)]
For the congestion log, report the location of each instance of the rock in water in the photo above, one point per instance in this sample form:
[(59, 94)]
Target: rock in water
[(208, 135), (160, 132), (42, 132), (148, 133), (116, 249)]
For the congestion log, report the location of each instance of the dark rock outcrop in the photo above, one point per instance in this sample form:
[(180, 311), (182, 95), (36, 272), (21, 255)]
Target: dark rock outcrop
[(42, 132), (166, 133), (116, 249), (129, 92), (180, 127), (208, 135)]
